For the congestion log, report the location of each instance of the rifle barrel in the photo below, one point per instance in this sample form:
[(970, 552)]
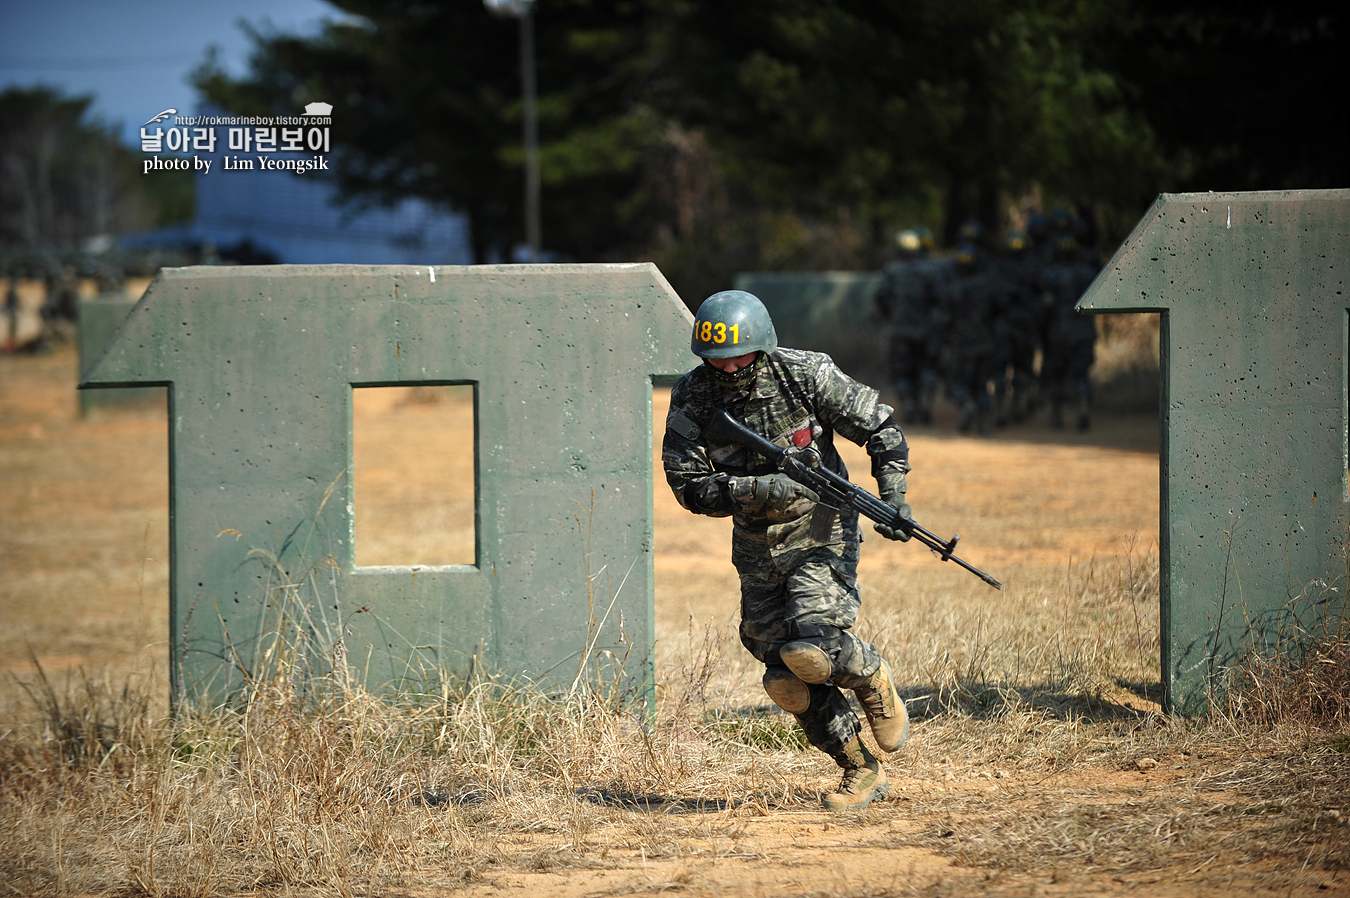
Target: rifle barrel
[(723, 426)]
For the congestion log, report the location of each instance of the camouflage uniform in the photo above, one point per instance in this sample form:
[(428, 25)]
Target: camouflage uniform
[(972, 305), (1017, 335), (909, 299), (792, 585), (1070, 340)]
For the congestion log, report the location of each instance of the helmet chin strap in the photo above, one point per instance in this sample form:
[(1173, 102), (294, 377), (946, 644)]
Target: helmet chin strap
[(737, 379)]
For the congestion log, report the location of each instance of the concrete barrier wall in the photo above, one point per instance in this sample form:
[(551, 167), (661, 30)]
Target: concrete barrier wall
[(99, 320), (1255, 499), (260, 363)]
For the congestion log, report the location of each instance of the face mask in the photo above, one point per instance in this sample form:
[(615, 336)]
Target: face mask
[(737, 379)]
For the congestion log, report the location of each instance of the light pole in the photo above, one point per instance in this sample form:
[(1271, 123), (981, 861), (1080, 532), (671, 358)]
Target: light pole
[(524, 11)]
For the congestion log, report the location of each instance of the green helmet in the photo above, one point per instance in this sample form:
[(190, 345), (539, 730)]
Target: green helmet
[(967, 258), (730, 324), (1066, 248), (925, 238), (972, 233)]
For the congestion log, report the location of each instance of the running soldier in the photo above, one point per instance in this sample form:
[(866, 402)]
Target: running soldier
[(797, 559)]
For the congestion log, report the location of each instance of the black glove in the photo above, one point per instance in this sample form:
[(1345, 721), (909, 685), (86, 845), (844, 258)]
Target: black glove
[(769, 492), (892, 492)]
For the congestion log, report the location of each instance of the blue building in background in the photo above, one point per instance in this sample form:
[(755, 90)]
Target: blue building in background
[(294, 218)]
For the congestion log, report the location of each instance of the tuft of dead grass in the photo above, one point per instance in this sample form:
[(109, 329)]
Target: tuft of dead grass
[(1304, 678)]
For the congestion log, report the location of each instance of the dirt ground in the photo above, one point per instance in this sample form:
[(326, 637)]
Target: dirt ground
[(83, 553)]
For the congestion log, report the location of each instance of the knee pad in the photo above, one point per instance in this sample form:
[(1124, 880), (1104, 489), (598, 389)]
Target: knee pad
[(807, 660), (787, 692)]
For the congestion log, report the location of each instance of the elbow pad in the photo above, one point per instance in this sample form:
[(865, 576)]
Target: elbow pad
[(710, 496), (889, 450)]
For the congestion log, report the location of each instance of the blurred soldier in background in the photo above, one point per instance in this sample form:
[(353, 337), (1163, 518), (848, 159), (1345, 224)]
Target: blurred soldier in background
[(972, 233), (1070, 338), (909, 300), (1040, 242), (62, 305), (971, 305), (11, 323), (1062, 223), (60, 311), (797, 559), (1017, 331)]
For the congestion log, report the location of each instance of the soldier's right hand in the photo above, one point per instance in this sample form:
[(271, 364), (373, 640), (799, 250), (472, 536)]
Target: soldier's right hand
[(896, 532), (769, 492)]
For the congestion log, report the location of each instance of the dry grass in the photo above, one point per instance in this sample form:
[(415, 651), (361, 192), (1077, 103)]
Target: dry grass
[(1126, 374), (1022, 733), (1038, 753), (1306, 676), (342, 791), (1265, 780)]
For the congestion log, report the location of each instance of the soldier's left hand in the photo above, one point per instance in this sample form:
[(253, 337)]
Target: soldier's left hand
[(774, 492)]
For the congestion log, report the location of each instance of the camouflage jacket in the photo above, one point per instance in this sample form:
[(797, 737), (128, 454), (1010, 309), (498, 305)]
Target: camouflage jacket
[(799, 398), (909, 296), (972, 304), (1064, 284)]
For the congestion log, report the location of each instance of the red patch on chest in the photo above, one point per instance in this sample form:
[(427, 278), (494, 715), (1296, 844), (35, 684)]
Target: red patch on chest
[(802, 438)]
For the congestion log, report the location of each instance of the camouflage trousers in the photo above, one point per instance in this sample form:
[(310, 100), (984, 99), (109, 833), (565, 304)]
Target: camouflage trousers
[(1064, 369), (914, 363), (812, 596)]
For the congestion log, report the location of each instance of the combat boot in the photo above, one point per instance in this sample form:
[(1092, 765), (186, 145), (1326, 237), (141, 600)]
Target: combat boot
[(864, 779), (982, 426), (1001, 414), (967, 418), (1056, 414), (885, 709)]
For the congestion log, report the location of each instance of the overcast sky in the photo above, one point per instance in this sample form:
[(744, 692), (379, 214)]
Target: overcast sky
[(134, 55)]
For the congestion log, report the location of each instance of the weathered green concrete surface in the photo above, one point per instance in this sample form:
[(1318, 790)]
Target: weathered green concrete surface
[(1252, 290), (827, 311), (99, 320), (260, 363)]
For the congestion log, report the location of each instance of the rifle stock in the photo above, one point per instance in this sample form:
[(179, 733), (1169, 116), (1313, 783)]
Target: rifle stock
[(803, 466)]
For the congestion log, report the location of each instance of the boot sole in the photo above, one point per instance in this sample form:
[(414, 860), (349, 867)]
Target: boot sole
[(880, 793)]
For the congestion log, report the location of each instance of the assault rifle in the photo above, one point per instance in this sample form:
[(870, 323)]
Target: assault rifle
[(804, 466)]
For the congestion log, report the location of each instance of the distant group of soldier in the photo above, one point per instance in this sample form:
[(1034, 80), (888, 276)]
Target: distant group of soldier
[(60, 276), (993, 322)]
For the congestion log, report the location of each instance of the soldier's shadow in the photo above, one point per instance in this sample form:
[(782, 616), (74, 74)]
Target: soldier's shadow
[(989, 701), (652, 804), (922, 703), (764, 726)]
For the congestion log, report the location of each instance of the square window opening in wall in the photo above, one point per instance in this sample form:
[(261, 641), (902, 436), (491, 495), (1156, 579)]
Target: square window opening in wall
[(415, 474)]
